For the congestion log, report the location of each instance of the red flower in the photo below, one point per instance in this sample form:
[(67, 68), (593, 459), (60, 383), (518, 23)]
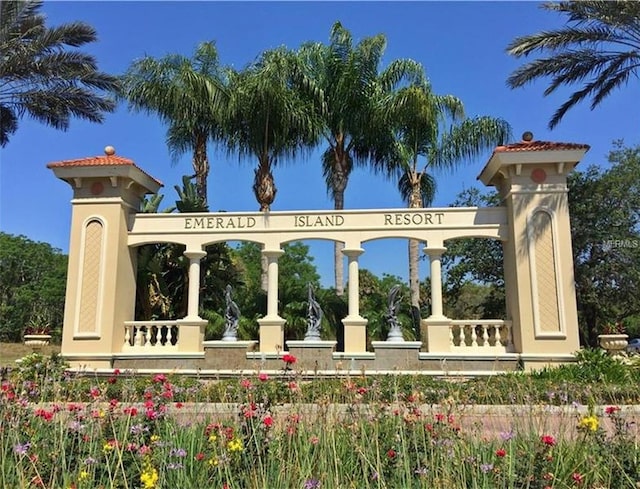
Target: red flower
[(611, 409), (362, 390), (179, 405), (268, 421), (199, 456), (548, 440), (289, 359), (501, 452), (577, 478), (391, 453)]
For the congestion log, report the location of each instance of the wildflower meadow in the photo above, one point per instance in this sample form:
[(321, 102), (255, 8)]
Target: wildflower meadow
[(554, 429)]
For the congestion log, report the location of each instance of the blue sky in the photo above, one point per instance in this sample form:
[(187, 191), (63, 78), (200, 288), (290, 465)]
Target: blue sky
[(460, 44)]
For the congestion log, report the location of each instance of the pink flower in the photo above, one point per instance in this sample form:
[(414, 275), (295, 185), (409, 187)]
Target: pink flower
[(577, 478), (262, 377), (314, 440), (246, 383), (548, 440), (159, 378)]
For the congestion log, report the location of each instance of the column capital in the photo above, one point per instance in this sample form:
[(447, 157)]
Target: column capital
[(352, 251), (273, 253), (434, 250), (195, 254)]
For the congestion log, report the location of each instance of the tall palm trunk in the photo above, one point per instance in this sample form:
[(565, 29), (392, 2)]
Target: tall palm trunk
[(415, 202), (201, 164), (339, 180), (264, 188)]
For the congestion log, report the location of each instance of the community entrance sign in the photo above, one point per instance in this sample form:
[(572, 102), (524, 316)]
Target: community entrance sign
[(532, 224)]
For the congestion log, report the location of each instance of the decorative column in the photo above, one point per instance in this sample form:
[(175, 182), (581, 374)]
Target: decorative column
[(435, 255), (194, 282), (355, 326), (436, 329), (192, 327), (272, 325)]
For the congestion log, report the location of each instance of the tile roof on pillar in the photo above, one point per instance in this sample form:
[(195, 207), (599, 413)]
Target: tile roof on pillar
[(106, 160)]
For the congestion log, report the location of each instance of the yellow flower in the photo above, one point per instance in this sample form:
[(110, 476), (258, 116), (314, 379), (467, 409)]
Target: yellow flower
[(213, 462), (149, 477), (589, 423), (107, 447), (212, 438), (84, 475), (235, 445), (154, 438)]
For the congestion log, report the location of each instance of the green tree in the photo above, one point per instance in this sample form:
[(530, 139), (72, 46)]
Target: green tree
[(351, 94), (41, 77), (269, 120), (434, 127), (32, 286), (190, 95), (598, 48)]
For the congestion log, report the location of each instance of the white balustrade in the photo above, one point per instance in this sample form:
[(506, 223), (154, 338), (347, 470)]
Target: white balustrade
[(481, 335), (151, 336)]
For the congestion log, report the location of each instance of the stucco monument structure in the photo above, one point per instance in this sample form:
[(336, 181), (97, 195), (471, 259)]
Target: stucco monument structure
[(532, 223)]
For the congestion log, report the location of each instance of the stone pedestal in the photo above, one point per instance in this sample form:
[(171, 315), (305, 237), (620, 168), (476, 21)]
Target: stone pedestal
[(397, 355), (312, 355), (227, 355)]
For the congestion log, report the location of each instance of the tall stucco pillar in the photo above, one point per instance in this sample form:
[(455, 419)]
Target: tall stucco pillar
[(193, 303), (272, 325), (435, 331), (355, 326), (101, 277), (531, 177)]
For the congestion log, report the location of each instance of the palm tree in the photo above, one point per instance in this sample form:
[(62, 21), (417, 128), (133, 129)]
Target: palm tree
[(434, 127), (190, 95), (600, 48), (269, 119), (349, 90), (40, 77)]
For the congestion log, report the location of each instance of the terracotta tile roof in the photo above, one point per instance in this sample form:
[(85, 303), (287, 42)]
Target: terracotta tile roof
[(539, 146), (108, 160)]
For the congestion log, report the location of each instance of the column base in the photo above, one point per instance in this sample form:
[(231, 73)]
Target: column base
[(271, 334), (355, 334), (438, 333), (191, 335)]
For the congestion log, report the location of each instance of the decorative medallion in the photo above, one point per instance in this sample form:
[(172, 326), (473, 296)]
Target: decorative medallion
[(538, 175), (97, 188)]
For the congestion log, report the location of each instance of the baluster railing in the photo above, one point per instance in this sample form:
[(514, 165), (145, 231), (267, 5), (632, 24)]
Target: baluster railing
[(481, 335)]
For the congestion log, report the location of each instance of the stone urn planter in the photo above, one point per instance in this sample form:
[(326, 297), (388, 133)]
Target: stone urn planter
[(37, 342), (614, 344)]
